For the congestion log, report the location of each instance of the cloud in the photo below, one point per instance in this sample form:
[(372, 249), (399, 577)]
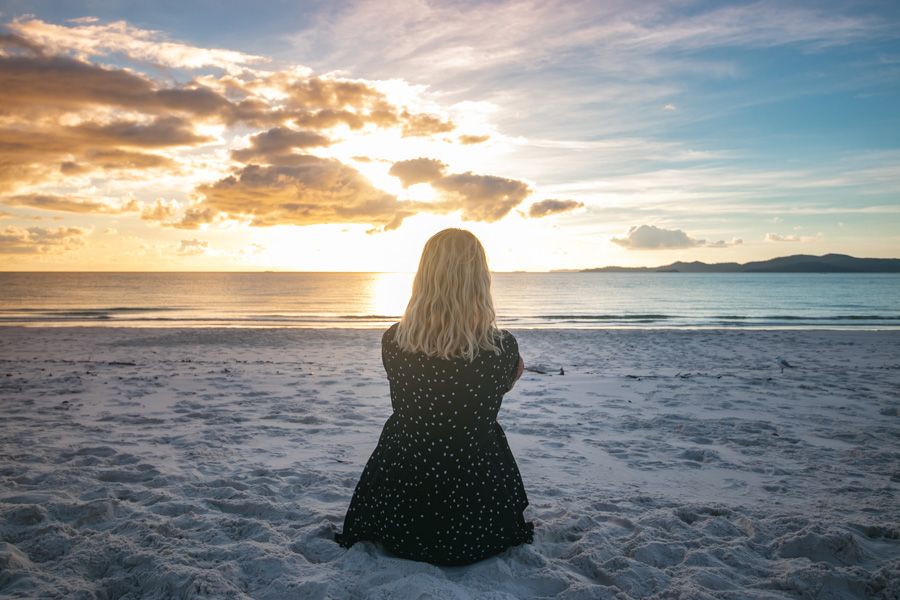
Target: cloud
[(650, 237), (113, 159), (43, 155), (309, 191), (303, 189), (161, 210), (489, 41), (43, 83), (473, 139), (196, 216), (50, 85), (317, 102), (481, 197), (171, 213), (424, 124), (192, 247), (68, 204), (334, 93), (417, 170), (776, 237), (58, 119), (66, 116), (642, 55), (39, 240), (278, 142), (89, 38), (159, 133), (735, 241), (17, 42), (670, 107), (754, 25), (550, 207)]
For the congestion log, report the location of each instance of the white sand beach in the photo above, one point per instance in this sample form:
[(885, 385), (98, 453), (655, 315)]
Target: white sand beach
[(218, 463)]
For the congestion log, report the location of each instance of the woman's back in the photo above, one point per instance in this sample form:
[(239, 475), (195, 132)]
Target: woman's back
[(448, 395), (442, 485)]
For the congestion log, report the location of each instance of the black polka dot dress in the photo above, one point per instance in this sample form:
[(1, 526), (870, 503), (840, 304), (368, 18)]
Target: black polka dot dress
[(442, 485)]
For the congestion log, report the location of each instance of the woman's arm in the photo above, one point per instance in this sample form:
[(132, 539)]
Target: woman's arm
[(520, 368)]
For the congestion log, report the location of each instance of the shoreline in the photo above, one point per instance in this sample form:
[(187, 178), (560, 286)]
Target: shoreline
[(549, 327)]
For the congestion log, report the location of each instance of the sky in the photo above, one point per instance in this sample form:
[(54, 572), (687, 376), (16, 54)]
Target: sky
[(339, 136)]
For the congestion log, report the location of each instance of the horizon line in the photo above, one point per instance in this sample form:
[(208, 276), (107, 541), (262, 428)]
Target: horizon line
[(548, 271)]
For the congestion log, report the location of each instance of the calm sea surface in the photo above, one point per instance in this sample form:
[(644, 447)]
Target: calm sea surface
[(582, 300)]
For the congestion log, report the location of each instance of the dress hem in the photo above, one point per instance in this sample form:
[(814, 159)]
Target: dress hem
[(526, 537)]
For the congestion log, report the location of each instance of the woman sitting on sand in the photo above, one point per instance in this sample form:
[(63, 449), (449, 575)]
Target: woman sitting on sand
[(442, 485)]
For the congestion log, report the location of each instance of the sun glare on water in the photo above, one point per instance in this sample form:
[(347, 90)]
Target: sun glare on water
[(389, 293)]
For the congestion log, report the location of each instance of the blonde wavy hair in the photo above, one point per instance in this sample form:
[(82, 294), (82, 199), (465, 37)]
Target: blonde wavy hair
[(450, 313)]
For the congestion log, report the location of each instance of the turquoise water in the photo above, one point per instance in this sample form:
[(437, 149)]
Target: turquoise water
[(582, 300)]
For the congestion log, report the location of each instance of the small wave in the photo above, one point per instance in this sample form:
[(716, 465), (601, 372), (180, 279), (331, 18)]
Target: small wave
[(78, 312), (702, 318), (173, 316), (866, 318), (369, 317), (819, 318), (622, 317), (86, 315)]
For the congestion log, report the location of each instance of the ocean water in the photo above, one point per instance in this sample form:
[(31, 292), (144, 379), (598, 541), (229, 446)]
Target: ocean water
[(570, 300)]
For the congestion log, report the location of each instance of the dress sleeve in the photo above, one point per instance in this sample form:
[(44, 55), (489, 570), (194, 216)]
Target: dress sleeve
[(510, 355), (387, 347)]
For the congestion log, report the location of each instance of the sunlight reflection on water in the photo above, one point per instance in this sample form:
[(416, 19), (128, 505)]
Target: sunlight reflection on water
[(581, 300)]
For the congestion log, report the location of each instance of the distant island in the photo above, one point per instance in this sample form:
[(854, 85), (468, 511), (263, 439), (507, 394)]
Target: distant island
[(797, 263)]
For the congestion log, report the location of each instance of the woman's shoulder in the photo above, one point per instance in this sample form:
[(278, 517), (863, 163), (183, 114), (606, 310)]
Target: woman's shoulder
[(503, 338), (505, 335), (388, 335), (508, 340)]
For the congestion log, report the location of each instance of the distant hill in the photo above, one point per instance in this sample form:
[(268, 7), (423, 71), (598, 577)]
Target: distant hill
[(797, 263)]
